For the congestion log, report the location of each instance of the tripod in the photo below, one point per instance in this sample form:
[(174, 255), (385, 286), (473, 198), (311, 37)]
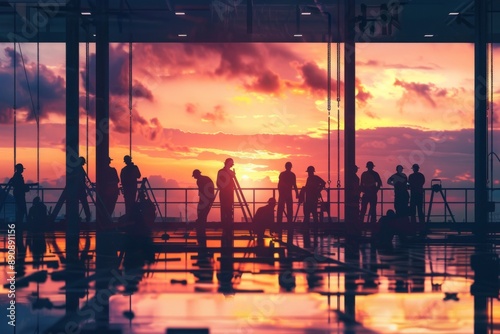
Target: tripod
[(437, 188)]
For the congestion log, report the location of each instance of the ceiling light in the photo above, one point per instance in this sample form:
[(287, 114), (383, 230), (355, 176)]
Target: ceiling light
[(297, 35), (180, 13), (305, 13), (429, 35), (182, 35), (86, 13), (454, 13)]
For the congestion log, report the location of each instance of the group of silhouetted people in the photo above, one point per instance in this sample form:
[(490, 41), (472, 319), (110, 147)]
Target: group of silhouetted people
[(309, 196), (406, 204), (129, 176)]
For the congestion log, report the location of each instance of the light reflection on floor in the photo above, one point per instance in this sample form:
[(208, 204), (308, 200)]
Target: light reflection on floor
[(406, 296)]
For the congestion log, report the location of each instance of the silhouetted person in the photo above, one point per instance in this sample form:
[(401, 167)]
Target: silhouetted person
[(416, 182), (399, 181), (263, 219), (128, 177), (111, 189), (37, 215), (353, 194), (225, 184), (386, 229), (287, 182), (82, 188), (370, 185), (312, 192), (19, 189), (206, 194)]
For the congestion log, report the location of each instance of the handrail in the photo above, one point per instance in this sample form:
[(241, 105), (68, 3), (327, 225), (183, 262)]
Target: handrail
[(179, 204)]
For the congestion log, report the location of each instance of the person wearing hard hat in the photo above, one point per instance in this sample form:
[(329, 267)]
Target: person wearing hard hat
[(128, 177), (264, 219), (370, 185), (416, 182), (19, 190), (225, 184), (399, 181), (312, 192)]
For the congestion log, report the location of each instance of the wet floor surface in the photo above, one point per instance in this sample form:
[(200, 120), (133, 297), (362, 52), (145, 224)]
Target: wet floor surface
[(130, 283)]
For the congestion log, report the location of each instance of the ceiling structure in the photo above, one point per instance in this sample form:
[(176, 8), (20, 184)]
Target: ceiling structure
[(199, 21)]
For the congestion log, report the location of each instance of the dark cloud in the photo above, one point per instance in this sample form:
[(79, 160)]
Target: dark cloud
[(268, 82), (399, 66), (51, 89), (363, 94), (315, 79), (420, 92)]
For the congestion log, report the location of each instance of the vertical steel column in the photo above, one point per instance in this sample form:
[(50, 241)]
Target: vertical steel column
[(72, 116), (72, 141), (480, 152), (349, 106), (102, 107), (349, 144)]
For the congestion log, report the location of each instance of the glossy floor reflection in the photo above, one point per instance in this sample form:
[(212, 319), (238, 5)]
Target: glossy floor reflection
[(120, 282)]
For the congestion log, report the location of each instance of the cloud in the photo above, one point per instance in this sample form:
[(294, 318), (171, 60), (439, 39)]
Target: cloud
[(49, 86), (419, 91), (219, 115), (267, 82), (190, 108), (363, 94)]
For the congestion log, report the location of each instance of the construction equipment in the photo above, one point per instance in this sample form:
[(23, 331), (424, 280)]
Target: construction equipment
[(437, 188)]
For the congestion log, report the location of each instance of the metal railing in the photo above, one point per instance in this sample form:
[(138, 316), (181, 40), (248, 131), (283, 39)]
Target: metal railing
[(179, 204)]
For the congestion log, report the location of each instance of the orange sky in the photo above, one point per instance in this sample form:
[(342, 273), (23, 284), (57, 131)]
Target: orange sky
[(262, 104)]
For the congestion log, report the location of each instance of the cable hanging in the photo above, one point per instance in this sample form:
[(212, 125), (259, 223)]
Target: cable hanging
[(130, 94), (87, 98)]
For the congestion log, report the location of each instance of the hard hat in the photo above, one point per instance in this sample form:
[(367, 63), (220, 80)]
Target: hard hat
[(196, 172), (370, 164), (310, 169)]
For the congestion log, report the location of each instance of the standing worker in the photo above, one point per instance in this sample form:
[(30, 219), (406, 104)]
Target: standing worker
[(128, 177), (225, 184), (370, 185), (416, 181), (287, 182)]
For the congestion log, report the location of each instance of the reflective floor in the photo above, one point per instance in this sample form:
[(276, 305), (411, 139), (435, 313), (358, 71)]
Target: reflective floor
[(136, 282)]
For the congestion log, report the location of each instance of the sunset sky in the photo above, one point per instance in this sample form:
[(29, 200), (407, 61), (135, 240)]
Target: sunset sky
[(194, 105)]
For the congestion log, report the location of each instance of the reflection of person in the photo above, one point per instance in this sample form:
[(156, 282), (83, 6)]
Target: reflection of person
[(287, 182), (312, 192), (206, 194), (370, 185), (37, 215), (111, 190), (400, 182), (128, 177), (263, 219), (225, 184), (416, 181), (82, 188)]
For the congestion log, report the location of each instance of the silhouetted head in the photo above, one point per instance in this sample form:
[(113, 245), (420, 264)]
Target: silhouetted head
[(19, 168), (390, 213), (196, 173), (399, 168), (415, 167), (127, 159), (82, 161), (271, 201), (310, 169), (370, 164), (36, 200), (288, 165), (229, 163)]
